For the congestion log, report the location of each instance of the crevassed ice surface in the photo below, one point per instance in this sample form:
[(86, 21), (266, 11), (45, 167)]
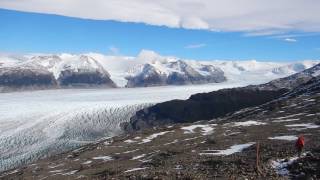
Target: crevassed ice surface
[(39, 123)]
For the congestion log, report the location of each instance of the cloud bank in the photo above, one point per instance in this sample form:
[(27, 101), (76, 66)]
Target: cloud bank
[(256, 17), (290, 40)]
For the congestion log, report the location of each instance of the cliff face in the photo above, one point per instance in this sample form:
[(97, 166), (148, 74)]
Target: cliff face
[(198, 107), (74, 79), (148, 77), (27, 77), (215, 104)]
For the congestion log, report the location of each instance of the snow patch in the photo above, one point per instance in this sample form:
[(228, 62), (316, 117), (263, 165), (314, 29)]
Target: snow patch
[(70, 172), (104, 158), (286, 120), (127, 152), (289, 116), (316, 73), (308, 115), (205, 129), (189, 139), (55, 166), (153, 136), (233, 149), (231, 134), (173, 142), (135, 169), (12, 172), (287, 138), (87, 162), (57, 171), (281, 165), (248, 123), (129, 141), (304, 126), (138, 157)]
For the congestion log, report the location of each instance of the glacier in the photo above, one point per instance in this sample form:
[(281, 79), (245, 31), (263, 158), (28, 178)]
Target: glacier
[(38, 124)]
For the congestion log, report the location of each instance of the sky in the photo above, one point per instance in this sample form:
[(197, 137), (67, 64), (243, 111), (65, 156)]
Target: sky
[(282, 30)]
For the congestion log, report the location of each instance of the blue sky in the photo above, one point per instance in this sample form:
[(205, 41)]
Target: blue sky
[(22, 32)]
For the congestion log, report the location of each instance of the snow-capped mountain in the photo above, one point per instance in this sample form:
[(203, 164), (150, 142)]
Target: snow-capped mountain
[(53, 71), (294, 80), (75, 70), (153, 65), (147, 69), (25, 76), (174, 73)]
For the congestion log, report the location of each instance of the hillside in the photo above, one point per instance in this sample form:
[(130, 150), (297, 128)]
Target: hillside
[(215, 104)]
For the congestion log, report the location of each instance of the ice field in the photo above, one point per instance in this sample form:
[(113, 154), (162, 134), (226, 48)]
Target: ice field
[(39, 123)]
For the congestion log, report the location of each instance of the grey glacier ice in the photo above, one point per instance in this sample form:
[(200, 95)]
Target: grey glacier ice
[(39, 123)]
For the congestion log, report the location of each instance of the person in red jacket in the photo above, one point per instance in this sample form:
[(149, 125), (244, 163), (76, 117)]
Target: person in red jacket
[(300, 145)]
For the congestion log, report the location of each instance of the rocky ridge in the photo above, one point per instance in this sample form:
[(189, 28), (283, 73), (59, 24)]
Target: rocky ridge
[(211, 105)]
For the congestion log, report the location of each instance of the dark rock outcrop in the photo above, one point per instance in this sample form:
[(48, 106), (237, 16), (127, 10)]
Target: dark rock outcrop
[(26, 78), (83, 79), (84, 72), (310, 87), (215, 104), (198, 107), (148, 77)]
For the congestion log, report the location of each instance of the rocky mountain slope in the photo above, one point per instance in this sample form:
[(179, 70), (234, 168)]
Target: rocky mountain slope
[(75, 70), (25, 77), (198, 107), (174, 73), (216, 104), (294, 80), (224, 148), (45, 72), (147, 69)]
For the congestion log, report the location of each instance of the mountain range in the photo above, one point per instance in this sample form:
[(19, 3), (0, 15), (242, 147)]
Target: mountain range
[(28, 72)]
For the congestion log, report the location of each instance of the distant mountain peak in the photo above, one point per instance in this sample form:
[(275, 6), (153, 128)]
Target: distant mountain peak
[(164, 70)]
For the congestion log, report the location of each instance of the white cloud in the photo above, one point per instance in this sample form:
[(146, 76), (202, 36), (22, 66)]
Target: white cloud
[(195, 46), (256, 17), (114, 50), (290, 40), (295, 35)]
